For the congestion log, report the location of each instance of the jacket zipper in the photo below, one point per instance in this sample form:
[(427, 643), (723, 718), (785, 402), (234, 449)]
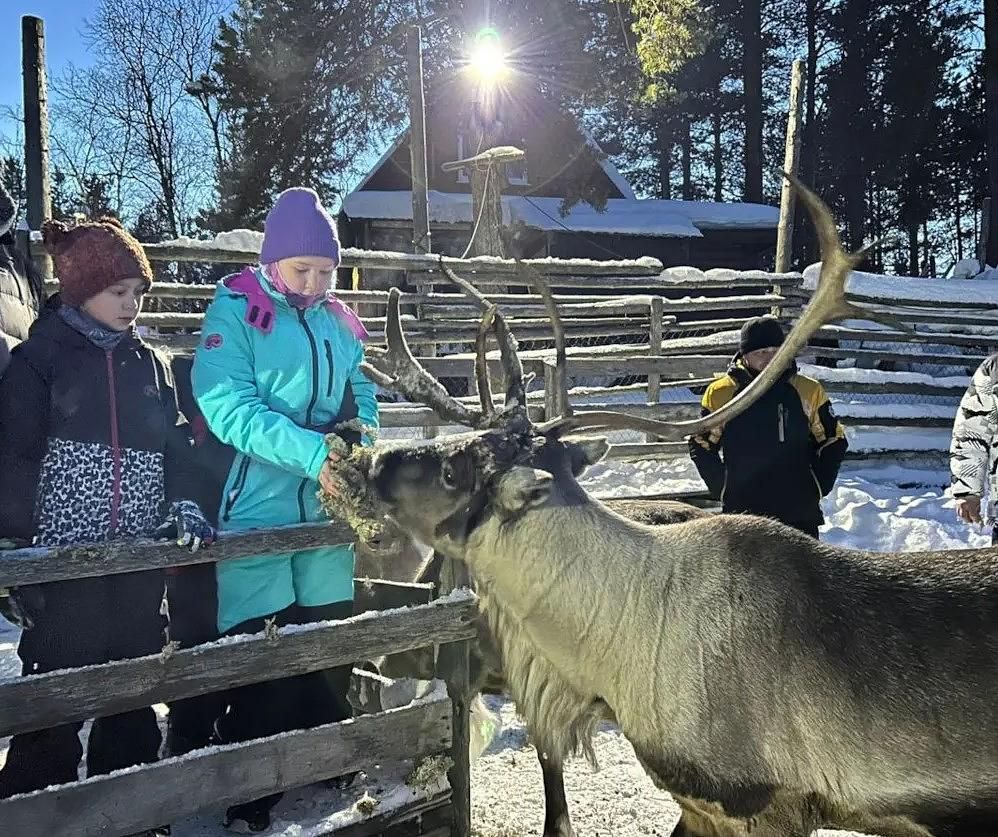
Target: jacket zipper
[(301, 500), (237, 487), (315, 368), (115, 446), (329, 361), (311, 403), (780, 412)]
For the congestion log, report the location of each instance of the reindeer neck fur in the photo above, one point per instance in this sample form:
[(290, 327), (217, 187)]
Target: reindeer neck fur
[(548, 583)]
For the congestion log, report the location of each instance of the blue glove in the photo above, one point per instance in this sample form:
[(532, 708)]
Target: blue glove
[(187, 524)]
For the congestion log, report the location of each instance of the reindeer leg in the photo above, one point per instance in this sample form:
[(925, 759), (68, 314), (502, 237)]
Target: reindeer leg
[(789, 814), (884, 826), (706, 819), (557, 821)]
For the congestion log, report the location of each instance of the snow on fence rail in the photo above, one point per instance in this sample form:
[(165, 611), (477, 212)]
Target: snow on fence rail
[(390, 618)]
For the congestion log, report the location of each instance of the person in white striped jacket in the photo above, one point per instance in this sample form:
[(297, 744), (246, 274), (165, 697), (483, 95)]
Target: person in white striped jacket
[(974, 447)]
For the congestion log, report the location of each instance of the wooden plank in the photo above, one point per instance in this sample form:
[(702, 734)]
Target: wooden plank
[(428, 817), (940, 338), (523, 310), (355, 257), (45, 700), (670, 367), (38, 564), (396, 416), (669, 451), (688, 410), (940, 316), (380, 594), (913, 302), (893, 388), (125, 802), (971, 361)]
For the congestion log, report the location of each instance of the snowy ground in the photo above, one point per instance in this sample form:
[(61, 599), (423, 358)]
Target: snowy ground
[(888, 507)]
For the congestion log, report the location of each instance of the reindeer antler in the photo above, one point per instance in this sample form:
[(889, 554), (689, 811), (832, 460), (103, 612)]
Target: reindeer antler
[(827, 305), (516, 398), (395, 368), (533, 277)]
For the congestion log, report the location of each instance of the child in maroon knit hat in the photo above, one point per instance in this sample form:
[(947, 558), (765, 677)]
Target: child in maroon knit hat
[(95, 449)]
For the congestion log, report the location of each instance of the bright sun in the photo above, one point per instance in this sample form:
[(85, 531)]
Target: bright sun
[(487, 60)]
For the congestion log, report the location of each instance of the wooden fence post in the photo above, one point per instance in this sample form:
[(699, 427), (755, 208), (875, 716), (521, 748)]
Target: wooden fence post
[(791, 163), (417, 142), (455, 667), (655, 337), (36, 133)]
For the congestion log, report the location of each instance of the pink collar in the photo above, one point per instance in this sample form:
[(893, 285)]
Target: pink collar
[(260, 305)]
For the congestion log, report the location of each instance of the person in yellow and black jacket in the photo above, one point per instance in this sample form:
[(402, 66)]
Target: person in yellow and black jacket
[(782, 455)]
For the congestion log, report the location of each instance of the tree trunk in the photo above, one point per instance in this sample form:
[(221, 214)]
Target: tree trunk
[(664, 143), (687, 150), (959, 224), (752, 81), (926, 249), (991, 104), (718, 156), (913, 249), (809, 141), (854, 69)]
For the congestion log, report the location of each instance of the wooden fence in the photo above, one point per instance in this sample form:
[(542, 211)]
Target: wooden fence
[(127, 801), (657, 328)]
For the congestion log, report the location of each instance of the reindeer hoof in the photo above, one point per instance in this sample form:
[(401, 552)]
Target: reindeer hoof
[(562, 828)]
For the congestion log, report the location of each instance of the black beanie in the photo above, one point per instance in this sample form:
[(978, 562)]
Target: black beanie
[(760, 333)]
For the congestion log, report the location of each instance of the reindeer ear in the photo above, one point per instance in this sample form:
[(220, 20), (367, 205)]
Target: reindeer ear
[(520, 489), (587, 452)]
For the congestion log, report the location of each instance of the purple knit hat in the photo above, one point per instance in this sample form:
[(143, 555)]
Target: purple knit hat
[(298, 225)]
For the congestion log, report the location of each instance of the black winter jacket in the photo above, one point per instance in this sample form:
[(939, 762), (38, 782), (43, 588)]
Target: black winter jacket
[(93, 442), (779, 457)]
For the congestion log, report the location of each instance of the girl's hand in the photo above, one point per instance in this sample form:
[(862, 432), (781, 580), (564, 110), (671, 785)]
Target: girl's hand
[(188, 525)]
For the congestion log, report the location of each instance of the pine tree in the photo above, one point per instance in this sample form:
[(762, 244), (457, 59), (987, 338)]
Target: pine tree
[(308, 86)]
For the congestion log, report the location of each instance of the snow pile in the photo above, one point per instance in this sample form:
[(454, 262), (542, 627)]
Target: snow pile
[(238, 241), (895, 290), (876, 376), (972, 269)]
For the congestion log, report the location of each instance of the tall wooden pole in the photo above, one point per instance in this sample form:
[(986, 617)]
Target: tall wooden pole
[(36, 131), (417, 143), (791, 163)]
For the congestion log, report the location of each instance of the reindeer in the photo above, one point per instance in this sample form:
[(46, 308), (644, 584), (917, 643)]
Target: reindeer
[(771, 683), (408, 560)]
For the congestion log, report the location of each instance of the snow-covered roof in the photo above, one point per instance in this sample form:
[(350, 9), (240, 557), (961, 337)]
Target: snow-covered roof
[(622, 216)]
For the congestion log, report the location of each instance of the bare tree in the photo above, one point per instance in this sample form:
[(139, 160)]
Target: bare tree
[(143, 115)]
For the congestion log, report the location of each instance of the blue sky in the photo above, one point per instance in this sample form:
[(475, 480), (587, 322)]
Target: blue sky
[(63, 43)]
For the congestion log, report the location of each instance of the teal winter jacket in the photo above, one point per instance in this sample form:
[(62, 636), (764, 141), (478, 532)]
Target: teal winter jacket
[(270, 379)]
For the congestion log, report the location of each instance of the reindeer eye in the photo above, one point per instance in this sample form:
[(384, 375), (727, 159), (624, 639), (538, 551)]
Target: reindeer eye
[(447, 476)]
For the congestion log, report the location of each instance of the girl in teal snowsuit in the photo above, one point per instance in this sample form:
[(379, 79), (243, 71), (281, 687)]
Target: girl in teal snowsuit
[(277, 367)]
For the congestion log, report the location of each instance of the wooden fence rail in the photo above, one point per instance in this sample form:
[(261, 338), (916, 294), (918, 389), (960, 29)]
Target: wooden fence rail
[(129, 801), (40, 701)]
